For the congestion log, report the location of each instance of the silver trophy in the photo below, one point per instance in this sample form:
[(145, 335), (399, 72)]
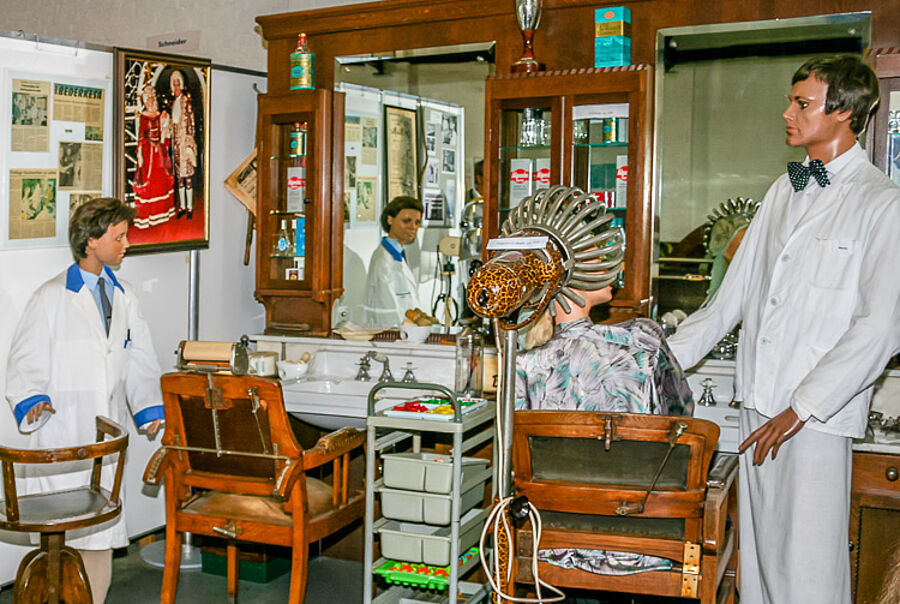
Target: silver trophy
[(528, 14)]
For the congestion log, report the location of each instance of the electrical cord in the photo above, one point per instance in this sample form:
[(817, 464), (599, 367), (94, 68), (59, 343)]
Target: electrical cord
[(499, 518)]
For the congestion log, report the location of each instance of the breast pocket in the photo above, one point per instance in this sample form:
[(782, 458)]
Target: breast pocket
[(832, 263)]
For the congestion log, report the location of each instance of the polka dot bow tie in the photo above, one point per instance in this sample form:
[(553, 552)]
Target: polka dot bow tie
[(799, 174)]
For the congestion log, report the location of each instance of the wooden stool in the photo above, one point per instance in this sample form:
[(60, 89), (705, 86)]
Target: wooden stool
[(54, 572)]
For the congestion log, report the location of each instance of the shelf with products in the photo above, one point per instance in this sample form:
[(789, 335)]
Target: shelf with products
[(296, 277), (594, 128)]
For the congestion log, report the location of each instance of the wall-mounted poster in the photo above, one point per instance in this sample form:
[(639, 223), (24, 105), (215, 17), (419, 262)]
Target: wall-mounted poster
[(365, 199), (83, 104), (80, 166), (162, 148), (401, 152), (32, 204), (448, 130), (30, 130)]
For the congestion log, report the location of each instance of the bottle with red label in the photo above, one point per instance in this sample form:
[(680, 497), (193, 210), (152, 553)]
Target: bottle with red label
[(296, 168)]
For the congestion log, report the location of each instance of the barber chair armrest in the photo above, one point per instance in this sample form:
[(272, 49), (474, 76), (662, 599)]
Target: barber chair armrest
[(332, 446), (153, 472), (720, 484), (723, 471)]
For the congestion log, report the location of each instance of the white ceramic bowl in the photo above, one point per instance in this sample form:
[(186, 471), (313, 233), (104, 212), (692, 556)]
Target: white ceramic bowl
[(292, 370), (358, 335)]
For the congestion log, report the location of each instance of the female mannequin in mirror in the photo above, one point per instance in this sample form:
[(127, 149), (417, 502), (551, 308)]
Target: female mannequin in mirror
[(391, 286)]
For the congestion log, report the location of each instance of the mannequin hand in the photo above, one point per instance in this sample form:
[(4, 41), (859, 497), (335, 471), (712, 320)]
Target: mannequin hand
[(772, 434), (153, 427), (35, 412)]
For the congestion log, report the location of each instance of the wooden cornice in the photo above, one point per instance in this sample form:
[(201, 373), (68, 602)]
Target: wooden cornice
[(394, 13), (567, 72)]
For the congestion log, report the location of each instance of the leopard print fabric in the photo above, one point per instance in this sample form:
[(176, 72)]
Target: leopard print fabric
[(513, 279)]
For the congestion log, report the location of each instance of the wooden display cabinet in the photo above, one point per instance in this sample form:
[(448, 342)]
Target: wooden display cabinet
[(884, 129), (300, 306), (559, 120), (874, 523)]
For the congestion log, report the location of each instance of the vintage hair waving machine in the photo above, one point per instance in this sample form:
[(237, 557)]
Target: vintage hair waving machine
[(554, 243)]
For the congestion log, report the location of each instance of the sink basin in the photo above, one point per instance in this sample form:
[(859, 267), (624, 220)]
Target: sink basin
[(330, 402), (330, 397)]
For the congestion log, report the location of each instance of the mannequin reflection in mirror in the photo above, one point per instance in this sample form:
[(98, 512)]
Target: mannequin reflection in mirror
[(391, 285), (572, 364)]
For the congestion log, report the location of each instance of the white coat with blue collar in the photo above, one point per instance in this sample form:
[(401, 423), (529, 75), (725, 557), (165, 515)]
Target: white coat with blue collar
[(62, 354)]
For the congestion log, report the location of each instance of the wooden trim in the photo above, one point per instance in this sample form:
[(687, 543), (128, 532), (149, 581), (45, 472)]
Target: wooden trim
[(394, 13)]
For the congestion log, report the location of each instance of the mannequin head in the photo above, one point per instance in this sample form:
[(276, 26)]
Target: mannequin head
[(830, 102), (98, 228), (402, 218)]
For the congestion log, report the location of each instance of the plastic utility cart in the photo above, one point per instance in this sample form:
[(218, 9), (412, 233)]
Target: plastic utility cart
[(431, 514)]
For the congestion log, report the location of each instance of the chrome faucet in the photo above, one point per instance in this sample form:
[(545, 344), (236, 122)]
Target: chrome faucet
[(386, 375), (408, 377), (363, 374)]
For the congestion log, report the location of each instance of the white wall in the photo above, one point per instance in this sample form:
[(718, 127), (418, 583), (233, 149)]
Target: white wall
[(227, 307), (226, 27)]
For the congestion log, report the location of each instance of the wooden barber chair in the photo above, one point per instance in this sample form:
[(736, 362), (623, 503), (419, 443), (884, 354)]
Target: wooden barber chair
[(55, 572), (629, 483), (233, 469)]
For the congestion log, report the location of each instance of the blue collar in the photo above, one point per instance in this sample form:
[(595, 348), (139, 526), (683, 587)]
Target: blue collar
[(393, 247), (74, 280)]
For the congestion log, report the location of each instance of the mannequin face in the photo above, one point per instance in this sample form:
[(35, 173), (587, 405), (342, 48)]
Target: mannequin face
[(108, 250), (807, 124), (405, 225)]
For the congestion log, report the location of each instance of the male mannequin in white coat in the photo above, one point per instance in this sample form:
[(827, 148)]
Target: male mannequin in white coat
[(815, 285), (76, 355)]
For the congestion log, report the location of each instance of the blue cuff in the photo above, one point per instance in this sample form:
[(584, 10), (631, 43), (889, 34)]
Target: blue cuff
[(149, 414), (26, 405)]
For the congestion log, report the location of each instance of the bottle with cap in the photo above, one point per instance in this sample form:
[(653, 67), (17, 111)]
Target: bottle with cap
[(303, 66)]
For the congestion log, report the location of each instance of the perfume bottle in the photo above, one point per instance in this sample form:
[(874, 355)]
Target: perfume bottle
[(284, 244), (303, 66), (296, 168)]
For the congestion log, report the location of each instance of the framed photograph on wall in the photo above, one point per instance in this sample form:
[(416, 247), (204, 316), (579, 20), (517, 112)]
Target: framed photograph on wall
[(401, 155), (162, 148)]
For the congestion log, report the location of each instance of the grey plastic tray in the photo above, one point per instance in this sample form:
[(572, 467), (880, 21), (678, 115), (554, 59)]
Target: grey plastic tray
[(422, 543), (432, 508), (429, 472)]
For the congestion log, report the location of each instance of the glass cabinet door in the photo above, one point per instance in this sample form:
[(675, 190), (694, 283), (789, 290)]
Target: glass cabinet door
[(290, 186), (600, 155), (524, 160)]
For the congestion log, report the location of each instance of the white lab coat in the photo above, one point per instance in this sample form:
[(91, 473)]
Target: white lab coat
[(391, 289), (61, 353), (819, 301), (816, 283)]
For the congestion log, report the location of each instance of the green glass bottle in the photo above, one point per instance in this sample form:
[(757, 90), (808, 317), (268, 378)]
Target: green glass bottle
[(303, 66)]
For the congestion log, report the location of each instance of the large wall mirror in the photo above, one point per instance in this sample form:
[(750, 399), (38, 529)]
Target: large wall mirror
[(413, 126), (720, 93)]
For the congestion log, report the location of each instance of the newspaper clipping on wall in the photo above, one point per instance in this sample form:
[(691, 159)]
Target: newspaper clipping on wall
[(80, 166), (242, 182), (29, 129), (84, 104), (32, 204)]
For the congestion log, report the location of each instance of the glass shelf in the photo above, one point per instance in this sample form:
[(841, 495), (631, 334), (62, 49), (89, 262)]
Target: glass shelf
[(598, 145), (525, 148), (283, 213)]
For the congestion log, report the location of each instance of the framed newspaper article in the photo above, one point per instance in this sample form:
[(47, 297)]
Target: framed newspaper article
[(162, 148), (401, 149)]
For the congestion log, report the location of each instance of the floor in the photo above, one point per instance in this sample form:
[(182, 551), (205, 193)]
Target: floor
[(134, 581), (331, 581)]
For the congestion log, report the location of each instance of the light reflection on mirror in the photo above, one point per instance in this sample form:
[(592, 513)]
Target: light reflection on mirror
[(442, 89), (720, 93)]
